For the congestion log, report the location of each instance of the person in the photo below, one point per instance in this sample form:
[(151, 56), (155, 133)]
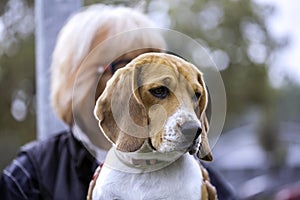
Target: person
[(89, 46)]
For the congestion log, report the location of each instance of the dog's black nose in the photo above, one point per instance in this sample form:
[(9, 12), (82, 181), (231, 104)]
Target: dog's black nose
[(191, 130)]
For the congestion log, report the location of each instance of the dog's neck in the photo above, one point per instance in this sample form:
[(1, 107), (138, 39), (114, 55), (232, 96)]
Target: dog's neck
[(141, 161)]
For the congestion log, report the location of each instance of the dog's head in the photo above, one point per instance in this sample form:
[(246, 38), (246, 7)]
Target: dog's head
[(159, 99)]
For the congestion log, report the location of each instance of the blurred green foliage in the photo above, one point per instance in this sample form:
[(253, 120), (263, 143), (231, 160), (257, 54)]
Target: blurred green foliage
[(17, 79), (233, 28)]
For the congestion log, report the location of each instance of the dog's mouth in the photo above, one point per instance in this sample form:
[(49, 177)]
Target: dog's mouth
[(199, 130), (193, 148), (151, 145)]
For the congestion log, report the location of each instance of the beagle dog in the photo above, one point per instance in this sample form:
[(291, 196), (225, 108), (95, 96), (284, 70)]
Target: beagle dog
[(153, 112)]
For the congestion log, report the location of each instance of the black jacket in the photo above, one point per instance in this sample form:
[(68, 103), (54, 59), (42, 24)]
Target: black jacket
[(60, 168), (57, 168)]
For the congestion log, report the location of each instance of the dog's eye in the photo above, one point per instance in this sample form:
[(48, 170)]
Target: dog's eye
[(197, 95), (160, 92)]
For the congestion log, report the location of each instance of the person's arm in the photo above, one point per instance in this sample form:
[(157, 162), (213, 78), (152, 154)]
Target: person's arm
[(224, 189), (19, 180)]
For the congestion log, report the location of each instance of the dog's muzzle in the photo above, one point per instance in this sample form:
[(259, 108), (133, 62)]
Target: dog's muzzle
[(191, 131)]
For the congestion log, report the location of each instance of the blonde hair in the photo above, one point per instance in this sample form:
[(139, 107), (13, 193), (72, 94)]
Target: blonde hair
[(80, 35)]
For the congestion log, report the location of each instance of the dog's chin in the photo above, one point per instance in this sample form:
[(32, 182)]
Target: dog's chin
[(181, 144), (184, 146), (194, 147)]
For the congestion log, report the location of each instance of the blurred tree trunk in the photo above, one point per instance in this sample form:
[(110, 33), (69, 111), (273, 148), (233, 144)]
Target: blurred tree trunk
[(50, 17)]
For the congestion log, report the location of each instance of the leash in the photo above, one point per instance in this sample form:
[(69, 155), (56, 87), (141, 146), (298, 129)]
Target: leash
[(93, 182)]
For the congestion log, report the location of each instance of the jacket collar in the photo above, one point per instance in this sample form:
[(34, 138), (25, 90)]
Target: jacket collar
[(98, 153)]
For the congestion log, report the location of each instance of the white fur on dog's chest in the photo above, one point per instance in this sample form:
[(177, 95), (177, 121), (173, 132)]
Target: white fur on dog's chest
[(180, 180)]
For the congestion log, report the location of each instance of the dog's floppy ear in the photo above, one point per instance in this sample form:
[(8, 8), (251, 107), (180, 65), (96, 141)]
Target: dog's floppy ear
[(122, 116), (204, 151)]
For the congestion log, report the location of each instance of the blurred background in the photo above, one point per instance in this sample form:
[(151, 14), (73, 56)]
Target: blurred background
[(255, 44)]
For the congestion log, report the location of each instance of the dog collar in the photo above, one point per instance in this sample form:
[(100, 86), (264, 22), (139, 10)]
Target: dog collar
[(140, 161)]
